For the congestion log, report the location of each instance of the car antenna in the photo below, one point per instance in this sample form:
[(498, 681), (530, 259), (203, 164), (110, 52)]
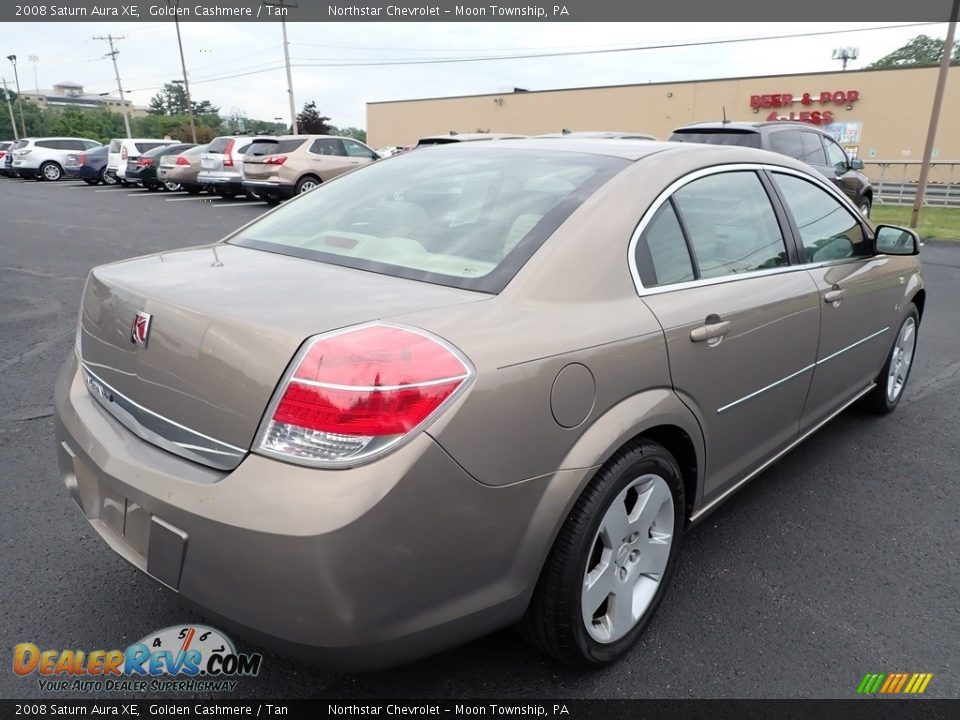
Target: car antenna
[(725, 121)]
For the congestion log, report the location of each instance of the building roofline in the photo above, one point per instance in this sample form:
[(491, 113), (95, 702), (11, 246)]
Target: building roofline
[(653, 84)]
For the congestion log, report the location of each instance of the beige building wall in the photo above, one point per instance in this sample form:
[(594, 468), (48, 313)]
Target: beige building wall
[(893, 107)]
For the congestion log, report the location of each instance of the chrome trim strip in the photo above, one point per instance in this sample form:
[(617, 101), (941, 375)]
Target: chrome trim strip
[(376, 388), (850, 347), (732, 489), (764, 389), (715, 170), (161, 431)]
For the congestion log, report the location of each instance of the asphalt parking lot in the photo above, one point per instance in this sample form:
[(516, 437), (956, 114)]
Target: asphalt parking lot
[(842, 559)]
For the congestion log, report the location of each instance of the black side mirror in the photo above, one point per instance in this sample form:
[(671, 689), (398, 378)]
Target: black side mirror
[(856, 164), (893, 240)]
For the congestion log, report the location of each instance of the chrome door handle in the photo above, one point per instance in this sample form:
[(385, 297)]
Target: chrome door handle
[(710, 330), (833, 296)]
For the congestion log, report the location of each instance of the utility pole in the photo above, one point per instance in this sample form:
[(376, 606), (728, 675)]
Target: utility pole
[(935, 114), (186, 83), (36, 82), (286, 57), (16, 79), (13, 122), (123, 101)]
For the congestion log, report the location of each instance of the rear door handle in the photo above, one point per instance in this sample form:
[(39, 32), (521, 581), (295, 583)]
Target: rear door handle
[(833, 296), (713, 328)]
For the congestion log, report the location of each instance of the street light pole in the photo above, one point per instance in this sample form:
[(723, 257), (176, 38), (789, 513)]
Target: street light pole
[(16, 79), (935, 115), (183, 66), (13, 122)]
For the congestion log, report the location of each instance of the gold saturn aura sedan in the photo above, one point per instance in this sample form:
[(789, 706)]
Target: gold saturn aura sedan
[(475, 386)]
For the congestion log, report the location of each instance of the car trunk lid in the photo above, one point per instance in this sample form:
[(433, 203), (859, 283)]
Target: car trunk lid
[(224, 323)]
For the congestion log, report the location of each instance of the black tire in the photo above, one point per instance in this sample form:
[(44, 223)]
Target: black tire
[(307, 183), (226, 194), (878, 400), (865, 205), (106, 178), (553, 622), (272, 201), (50, 171), (151, 187), (91, 181), (192, 189)]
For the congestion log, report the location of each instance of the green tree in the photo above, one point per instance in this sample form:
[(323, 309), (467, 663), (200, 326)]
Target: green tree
[(921, 51), (172, 100), (351, 132), (33, 117), (311, 122)]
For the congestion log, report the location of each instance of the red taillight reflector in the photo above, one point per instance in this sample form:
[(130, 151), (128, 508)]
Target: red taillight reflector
[(181, 160), (123, 153), (144, 162), (81, 158), (356, 393), (275, 160), (228, 154)]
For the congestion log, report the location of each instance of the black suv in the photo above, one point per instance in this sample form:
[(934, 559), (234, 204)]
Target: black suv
[(798, 140)]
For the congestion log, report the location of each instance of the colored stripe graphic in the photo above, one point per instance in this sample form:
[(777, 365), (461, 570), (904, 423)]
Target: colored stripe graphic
[(894, 683)]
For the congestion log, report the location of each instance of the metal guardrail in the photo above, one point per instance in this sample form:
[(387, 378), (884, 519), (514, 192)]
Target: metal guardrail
[(895, 182)]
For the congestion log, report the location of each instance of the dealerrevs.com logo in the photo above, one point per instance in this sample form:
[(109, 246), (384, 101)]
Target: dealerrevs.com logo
[(188, 658)]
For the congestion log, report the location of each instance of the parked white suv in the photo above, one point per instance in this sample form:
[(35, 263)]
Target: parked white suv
[(221, 166), (44, 158), (123, 149)]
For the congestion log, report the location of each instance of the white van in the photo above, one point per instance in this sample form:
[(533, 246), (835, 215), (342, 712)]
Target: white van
[(122, 149)]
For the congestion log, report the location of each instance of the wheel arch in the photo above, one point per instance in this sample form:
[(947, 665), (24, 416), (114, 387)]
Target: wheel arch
[(920, 300)]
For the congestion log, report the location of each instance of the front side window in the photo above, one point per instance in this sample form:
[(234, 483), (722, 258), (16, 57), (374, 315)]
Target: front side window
[(812, 149), (467, 218), (355, 149), (835, 155), (731, 225), (828, 230)]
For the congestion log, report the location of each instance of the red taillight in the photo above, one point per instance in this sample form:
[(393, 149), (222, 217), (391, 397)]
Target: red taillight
[(144, 162), (227, 154), (181, 160), (353, 394), (81, 159), (274, 159), (123, 153)]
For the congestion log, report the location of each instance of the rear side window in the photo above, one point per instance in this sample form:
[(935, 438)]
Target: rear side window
[(787, 142), (465, 218), (731, 225), (827, 229), (327, 146), (49, 144), (662, 254), (719, 137)]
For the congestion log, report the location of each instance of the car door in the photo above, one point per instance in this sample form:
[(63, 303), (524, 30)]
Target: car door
[(859, 292), (328, 158), (741, 318)]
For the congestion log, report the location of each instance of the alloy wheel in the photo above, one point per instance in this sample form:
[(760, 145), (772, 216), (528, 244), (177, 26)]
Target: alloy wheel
[(901, 357), (628, 558)]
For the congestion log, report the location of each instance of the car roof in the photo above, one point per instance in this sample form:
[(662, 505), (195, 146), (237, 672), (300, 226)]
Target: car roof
[(745, 126), (609, 134), (634, 151), (136, 140), (466, 137)]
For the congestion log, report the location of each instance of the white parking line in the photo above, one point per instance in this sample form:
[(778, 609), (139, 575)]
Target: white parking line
[(109, 189), (145, 193), (188, 199)]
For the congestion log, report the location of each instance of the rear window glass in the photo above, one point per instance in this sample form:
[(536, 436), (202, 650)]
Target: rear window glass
[(273, 147), (162, 150), (142, 147), (115, 146), (4, 146), (719, 137), (437, 141), (20, 144), (467, 218)]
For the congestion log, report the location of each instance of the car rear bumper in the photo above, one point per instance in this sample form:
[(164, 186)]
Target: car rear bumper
[(223, 181), (357, 568), (270, 189)]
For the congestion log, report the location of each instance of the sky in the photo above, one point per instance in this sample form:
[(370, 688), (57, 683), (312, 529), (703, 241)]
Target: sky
[(148, 57)]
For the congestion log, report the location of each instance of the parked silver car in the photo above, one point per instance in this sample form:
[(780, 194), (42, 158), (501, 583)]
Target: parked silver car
[(474, 386), (44, 158), (221, 166)]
